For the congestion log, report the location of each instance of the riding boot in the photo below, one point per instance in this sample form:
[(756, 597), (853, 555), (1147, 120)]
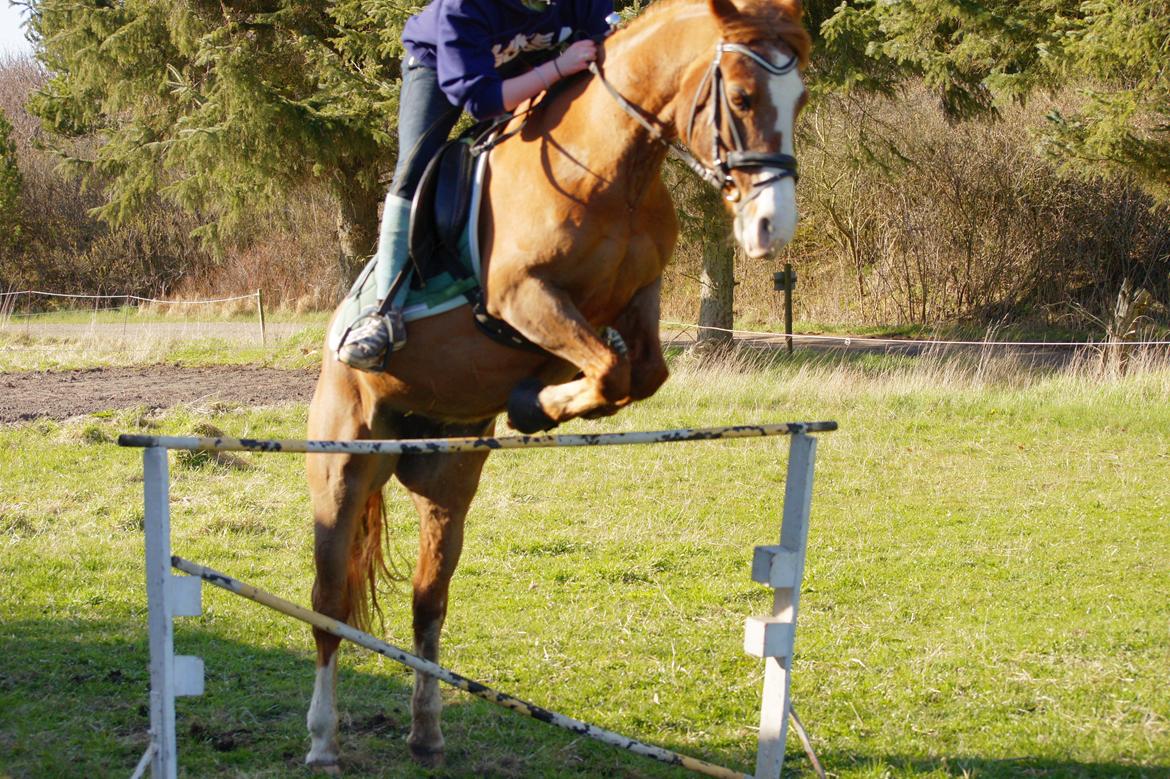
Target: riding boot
[(375, 334), (393, 252)]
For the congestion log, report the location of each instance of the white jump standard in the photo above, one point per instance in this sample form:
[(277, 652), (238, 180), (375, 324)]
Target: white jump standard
[(771, 638)]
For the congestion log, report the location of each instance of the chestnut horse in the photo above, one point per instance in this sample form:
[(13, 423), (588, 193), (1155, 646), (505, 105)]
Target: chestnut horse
[(576, 229)]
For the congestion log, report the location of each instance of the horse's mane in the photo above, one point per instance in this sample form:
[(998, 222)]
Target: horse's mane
[(758, 20)]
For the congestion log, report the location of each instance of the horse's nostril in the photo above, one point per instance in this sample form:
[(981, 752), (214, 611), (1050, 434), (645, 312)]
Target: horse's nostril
[(765, 231)]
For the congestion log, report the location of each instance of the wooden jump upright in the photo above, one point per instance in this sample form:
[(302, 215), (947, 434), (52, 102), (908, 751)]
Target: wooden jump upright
[(771, 638)]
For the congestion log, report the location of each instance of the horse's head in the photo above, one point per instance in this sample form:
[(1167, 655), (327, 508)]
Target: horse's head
[(741, 119)]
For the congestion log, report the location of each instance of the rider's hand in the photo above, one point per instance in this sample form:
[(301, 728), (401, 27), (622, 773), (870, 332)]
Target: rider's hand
[(576, 58)]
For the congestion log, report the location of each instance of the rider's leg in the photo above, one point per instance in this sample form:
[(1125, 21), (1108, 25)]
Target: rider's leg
[(425, 119), (392, 242)]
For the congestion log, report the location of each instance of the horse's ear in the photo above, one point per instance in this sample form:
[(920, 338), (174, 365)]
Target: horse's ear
[(724, 10), (794, 8)]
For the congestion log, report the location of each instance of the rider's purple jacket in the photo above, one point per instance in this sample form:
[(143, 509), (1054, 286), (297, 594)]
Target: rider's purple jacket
[(469, 41)]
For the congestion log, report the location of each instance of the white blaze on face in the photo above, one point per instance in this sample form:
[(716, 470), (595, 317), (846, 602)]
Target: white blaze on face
[(768, 220)]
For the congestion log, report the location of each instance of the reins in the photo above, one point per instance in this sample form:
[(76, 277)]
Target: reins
[(491, 136), (676, 150), (717, 174)]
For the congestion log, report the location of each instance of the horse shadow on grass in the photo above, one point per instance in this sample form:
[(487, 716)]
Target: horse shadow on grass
[(74, 702)]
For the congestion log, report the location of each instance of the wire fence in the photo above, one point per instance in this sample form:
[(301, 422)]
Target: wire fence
[(128, 298), (127, 317), (133, 318), (850, 340)]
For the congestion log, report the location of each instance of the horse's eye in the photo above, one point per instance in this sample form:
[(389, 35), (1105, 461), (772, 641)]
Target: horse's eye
[(740, 99)]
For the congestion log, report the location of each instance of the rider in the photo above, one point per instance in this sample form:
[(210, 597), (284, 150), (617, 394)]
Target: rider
[(482, 56)]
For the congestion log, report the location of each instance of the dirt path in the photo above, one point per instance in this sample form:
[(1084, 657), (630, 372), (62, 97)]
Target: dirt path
[(64, 394)]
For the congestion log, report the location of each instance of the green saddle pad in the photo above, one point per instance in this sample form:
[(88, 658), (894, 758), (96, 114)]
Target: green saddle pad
[(440, 294)]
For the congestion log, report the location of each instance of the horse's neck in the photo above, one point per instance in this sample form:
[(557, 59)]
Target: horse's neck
[(647, 62)]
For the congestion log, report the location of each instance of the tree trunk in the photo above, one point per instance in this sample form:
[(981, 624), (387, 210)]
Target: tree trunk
[(358, 196), (717, 293)]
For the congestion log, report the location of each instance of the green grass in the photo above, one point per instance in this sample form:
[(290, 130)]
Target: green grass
[(985, 593)]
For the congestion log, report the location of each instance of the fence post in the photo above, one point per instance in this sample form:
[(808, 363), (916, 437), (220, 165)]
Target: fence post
[(164, 761), (167, 596), (785, 281), (260, 305), (772, 638)]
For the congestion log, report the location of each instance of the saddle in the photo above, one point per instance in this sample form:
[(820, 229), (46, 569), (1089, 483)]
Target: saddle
[(439, 217), (439, 213)]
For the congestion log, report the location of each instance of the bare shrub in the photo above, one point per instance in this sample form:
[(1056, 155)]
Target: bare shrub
[(290, 252), (909, 219), (292, 255), (62, 247), (19, 76)]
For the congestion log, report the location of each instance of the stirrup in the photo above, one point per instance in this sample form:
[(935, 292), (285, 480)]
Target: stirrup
[(395, 326)]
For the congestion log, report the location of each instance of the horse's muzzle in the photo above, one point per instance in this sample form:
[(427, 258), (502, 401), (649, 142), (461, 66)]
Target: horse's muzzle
[(767, 221)]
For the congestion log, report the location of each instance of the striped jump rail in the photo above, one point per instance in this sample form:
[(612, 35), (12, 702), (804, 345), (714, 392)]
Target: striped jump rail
[(453, 445)]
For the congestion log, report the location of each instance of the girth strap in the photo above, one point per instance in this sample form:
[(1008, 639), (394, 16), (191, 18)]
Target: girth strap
[(497, 329)]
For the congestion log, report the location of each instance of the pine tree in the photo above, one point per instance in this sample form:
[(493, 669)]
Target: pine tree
[(976, 55), (224, 107)]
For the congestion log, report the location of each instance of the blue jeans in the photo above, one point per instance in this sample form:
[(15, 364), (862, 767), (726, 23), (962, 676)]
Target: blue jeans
[(425, 120)]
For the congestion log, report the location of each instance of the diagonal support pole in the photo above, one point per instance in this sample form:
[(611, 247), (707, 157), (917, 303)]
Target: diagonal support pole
[(330, 625)]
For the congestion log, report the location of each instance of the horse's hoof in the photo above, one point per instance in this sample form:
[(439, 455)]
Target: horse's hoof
[(524, 411), (426, 757), (329, 769)]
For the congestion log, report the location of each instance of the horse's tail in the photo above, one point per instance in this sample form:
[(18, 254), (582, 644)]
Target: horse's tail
[(366, 564)]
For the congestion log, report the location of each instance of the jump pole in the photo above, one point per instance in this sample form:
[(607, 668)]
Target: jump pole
[(454, 445), (169, 596)]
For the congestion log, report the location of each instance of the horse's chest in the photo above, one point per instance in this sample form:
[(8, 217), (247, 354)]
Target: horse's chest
[(617, 270)]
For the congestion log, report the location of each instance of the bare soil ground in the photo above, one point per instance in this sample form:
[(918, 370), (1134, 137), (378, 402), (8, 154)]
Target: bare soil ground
[(64, 394)]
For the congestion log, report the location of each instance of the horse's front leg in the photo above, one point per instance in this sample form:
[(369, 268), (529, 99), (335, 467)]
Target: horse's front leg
[(442, 487), (547, 317)]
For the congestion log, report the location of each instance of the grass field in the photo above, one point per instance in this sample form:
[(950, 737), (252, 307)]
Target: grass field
[(19, 353), (985, 595)]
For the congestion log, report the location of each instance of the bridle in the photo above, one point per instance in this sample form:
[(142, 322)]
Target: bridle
[(737, 157)]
